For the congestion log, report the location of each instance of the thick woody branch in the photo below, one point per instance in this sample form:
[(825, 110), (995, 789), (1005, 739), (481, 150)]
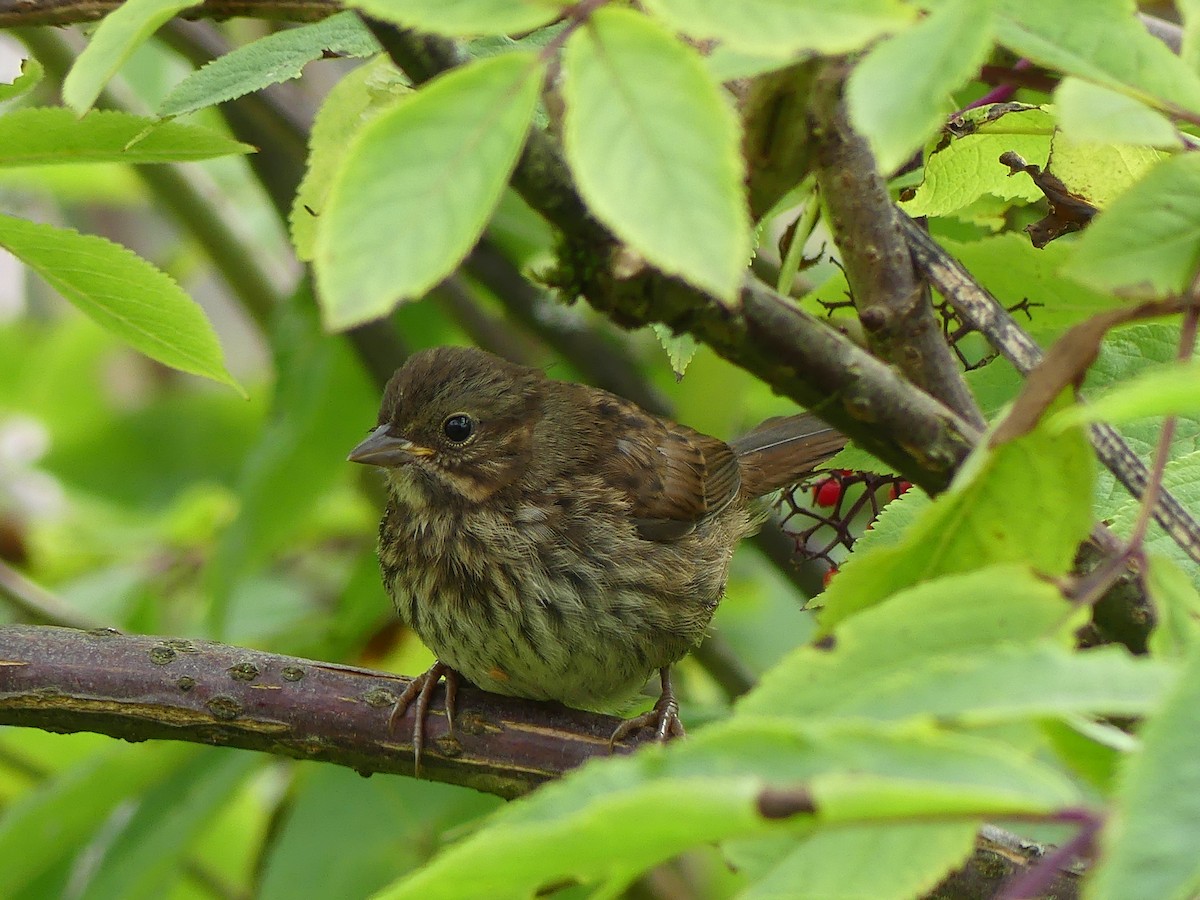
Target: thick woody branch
[(149, 688), (891, 298)]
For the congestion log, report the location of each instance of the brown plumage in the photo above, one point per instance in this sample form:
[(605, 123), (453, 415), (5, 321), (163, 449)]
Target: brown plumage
[(554, 541)]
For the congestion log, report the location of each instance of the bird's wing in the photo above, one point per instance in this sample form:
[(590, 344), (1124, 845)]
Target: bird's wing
[(672, 475)]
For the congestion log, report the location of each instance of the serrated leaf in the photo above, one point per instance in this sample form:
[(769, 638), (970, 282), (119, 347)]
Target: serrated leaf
[(1016, 272), (120, 33), (654, 148), (1026, 501), (898, 95), (464, 18), (1089, 113), (1108, 46), (353, 101), (418, 185), (1151, 836), (1163, 391), (122, 293), (786, 27), (680, 347), (1147, 243), (269, 60), (31, 74), (48, 135), (1182, 479)]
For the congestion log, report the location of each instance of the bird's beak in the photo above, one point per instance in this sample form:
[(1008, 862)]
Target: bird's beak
[(383, 449)]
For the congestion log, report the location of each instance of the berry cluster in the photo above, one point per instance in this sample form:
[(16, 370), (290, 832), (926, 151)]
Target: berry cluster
[(825, 513)]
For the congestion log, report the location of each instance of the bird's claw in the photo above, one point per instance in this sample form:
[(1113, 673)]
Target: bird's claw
[(663, 718), (421, 689)]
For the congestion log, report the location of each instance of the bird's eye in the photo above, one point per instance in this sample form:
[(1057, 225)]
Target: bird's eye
[(458, 428)]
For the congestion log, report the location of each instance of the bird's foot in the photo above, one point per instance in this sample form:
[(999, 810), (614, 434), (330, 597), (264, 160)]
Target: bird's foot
[(421, 690), (663, 718)]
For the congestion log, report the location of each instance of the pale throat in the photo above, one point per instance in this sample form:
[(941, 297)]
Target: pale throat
[(419, 490)]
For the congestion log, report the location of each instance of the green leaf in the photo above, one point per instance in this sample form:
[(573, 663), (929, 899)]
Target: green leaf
[(418, 185), (122, 293), (269, 60), (680, 347), (1177, 605), (1151, 837), (1108, 46), (1125, 354), (895, 860), (322, 398), (1015, 272), (1189, 52), (1171, 390), (1147, 243), (979, 689), (145, 859), (45, 135), (61, 814), (1182, 479), (352, 102), (1091, 748), (618, 816), (31, 74), (1099, 173), (1026, 501), (1090, 113), (930, 651), (899, 95), (464, 18), (120, 33), (960, 171), (786, 27), (322, 850), (654, 147)]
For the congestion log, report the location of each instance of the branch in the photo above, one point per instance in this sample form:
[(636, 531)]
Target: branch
[(21, 13), (983, 312), (149, 688), (892, 301)]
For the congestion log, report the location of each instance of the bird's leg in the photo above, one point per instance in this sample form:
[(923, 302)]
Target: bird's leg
[(421, 689), (664, 718)]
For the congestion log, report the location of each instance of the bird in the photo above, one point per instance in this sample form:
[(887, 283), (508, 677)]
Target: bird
[(553, 541)]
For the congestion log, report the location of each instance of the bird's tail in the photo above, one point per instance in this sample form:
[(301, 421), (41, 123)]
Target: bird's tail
[(781, 451)]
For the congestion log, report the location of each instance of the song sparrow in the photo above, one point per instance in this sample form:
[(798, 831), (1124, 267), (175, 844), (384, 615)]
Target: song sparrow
[(553, 541)]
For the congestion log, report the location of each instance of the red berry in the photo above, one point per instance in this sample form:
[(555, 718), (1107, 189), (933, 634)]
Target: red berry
[(827, 492), (900, 488), (829, 576)]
